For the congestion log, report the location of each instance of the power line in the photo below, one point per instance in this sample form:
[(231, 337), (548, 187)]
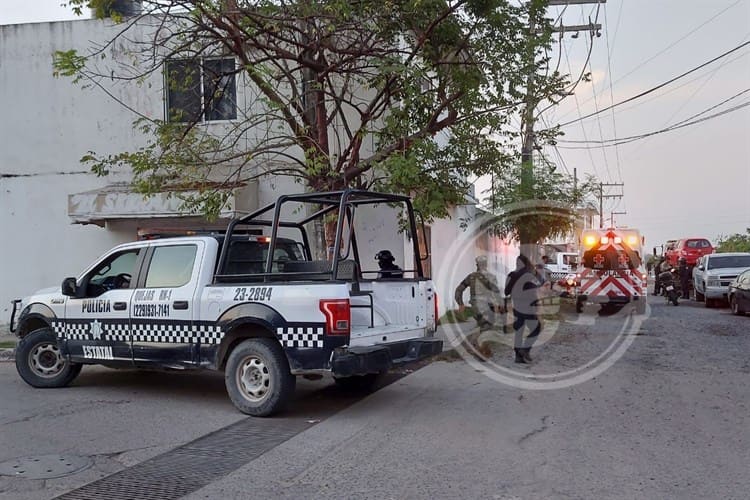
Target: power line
[(668, 129), (686, 83), (735, 96), (583, 128), (611, 92), (670, 45), (654, 89)]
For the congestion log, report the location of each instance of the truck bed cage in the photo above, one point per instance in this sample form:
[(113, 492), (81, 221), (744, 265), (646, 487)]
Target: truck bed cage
[(329, 201)]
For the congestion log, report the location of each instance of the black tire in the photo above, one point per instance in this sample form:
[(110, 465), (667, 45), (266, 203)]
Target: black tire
[(735, 306), (39, 362), (363, 384), (257, 377), (699, 297)]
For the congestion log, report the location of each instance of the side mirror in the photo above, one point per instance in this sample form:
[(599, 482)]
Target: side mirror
[(700, 268), (69, 287)]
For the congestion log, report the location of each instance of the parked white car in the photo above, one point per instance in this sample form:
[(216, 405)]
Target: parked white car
[(714, 273)]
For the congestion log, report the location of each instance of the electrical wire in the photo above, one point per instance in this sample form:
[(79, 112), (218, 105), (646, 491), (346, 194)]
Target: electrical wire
[(611, 92), (689, 33), (685, 84), (654, 89), (583, 128), (626, 140), (735, 96)]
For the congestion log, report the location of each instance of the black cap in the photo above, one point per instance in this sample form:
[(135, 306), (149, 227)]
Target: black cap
[(385, 255)]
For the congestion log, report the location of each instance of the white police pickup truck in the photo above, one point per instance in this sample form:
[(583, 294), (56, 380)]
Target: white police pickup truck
[(251, 302)]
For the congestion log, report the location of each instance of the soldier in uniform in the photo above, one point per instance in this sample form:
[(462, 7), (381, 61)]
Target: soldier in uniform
[(484, 294)]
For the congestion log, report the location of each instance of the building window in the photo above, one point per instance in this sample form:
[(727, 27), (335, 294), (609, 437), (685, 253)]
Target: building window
[(201, 90)]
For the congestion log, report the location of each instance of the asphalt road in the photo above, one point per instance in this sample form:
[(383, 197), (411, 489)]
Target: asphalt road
[(668, 420)]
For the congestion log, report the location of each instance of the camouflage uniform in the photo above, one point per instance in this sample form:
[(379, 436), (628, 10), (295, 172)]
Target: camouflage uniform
[(484, 294)]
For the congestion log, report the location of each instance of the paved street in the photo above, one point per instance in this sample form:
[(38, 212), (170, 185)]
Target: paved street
[(668, 420)]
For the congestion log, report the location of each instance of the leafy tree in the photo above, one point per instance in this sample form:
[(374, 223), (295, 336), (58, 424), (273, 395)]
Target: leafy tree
[(401, 96), (536, 201), (737, 242), (409, 96), (545, 206)]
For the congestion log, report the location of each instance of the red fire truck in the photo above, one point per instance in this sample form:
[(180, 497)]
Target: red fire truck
[(611, 272)]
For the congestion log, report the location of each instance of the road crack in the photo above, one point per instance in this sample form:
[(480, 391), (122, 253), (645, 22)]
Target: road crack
[(534, 432)]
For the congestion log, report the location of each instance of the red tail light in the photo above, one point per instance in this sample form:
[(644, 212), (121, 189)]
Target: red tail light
[(435, 298), (338, 316)]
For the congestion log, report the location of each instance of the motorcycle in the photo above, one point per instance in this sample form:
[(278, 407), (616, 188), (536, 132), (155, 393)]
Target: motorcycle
[(670, 286)]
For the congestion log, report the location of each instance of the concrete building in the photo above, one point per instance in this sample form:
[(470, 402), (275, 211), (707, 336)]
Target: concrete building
[(56, 216)]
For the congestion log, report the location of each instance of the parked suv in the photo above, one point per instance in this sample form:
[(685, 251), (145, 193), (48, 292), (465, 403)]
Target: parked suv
[(714, 273), (691, 249)]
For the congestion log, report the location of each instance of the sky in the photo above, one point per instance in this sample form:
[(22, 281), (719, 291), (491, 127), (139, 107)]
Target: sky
[(690, 182)]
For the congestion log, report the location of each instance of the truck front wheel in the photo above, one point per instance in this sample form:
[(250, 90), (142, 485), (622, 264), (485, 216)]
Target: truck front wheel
[(257, 377), (39, 362)]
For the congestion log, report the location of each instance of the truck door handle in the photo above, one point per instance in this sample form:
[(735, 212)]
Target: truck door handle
[(120, 306), (180, 304)]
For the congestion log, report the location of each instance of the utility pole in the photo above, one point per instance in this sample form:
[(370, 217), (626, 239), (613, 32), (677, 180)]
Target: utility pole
[(602, 185), (527, 147)]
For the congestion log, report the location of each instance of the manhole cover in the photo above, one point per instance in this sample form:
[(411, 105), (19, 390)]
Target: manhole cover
[(44, 466)]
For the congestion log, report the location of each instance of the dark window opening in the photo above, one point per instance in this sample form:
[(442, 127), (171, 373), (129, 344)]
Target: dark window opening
[(203, 90)]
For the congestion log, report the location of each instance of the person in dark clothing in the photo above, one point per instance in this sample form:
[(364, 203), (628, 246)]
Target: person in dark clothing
[(684, 271), (522, 286), (388, 269), (657, 270), (483, 295)]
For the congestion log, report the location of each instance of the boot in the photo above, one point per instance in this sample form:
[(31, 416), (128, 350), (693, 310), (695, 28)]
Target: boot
[(519, 356), (526, 354)]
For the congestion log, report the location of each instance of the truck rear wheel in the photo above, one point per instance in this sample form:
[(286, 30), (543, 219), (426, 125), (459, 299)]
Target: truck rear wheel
[(257, 377), (39, 362)]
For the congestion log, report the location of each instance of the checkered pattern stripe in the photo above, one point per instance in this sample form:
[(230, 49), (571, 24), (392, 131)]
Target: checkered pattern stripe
[(82, 330), (300, 336), (177, 333), (174, 333)]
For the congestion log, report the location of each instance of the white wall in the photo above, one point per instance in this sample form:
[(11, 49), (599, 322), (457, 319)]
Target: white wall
[(47, 125)]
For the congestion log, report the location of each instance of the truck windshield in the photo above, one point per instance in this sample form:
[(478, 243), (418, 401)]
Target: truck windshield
[(721, 262)]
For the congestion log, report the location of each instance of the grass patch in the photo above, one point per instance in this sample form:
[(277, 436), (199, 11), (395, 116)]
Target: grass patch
[(7, 344), (453, 316)]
